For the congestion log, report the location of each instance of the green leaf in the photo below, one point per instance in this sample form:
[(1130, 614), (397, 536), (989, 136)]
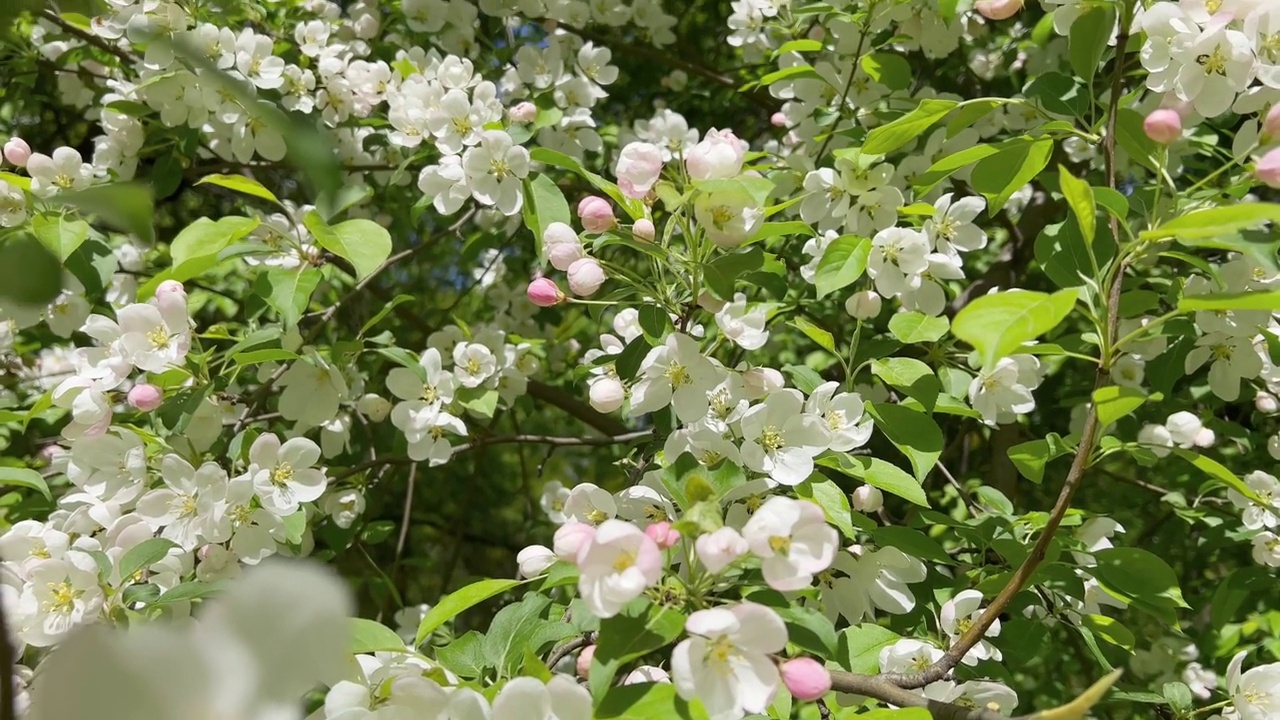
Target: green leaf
[(187, 591), (61, 235), (798, 46), (1030, 458), (913, 432), (911, 377), (916, 327), (641, 628), (464, 655), (1110, 630), (889, 69), (127, 207), (143, 555), (25, 477), (241, 184), (999, 176), (816, 334), (722, 274), (890, 137), (455, 603), (794, 72), (834, 503), (1257, 300), (544, 204), (203, 240), (1114, 402), (860, 647), (1218, 471), (647, 701), (1088, 38), (1133, 139), (804, 378), (1140, 575), (295, 524), (997, 325), (843, 262), (290, 291), (634, 208), (951, 164), (654, 322), (912, 542), (1079, 195), (521, 628), (628, 361), (809, 629), (363, 243), (29, 273), (878, 473), (369, 636), (1215, 221)]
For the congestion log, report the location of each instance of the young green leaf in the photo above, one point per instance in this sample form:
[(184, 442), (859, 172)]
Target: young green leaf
[(997, 325), (363, 243)]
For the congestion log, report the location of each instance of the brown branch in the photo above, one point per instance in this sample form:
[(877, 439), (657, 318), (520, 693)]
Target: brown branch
[(87, 37), (605, 424), (880, 688), (561, 652)]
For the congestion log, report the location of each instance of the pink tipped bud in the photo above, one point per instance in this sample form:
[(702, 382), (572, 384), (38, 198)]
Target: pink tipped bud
[(525, 112), (1271, 123), (778, 119), (171, 287), (663, 534), (572, 538), (596, 214), (1268, 168), (998, 9), (1163, 126), (584, 661), (145, 397), (806, 679), (1266, 403), (561, 245), (544, 292), (867, 499), (585, 277), (17, 151), (644, 229)]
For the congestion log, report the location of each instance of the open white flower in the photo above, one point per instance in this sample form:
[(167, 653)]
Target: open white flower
[(951, 228), (1003, 391), (495, 169), (1258, 516), (729, 217), (66, 170), (252, 653), (616, 566), (871, 580), (908, 656), (675, 373), (959, 614), (976, 694), (1216, 67), (60, 594), (780, 440), (154, 337), (313, 389), (746, 328), (794, 540), (187, 509), (283, 476), (842, 416), (726, 664), (526, 698), (1256, 692), (473, 364), (897, 259)]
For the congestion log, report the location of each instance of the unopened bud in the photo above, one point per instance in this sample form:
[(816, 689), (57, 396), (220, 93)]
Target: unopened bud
[(544, 292), (145, 397), (1268, 168), (644, 229), (17, 151), (1163, 126), (596, 214), (998, 9), (585, 277), (663, 534), (374, 407), (863, 305), (607, 394), (867, 499), (1271, 124), (525, 112), (806, 679), (583, 665)]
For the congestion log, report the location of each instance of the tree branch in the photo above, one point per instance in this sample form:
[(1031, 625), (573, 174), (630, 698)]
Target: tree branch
[(87, 37)]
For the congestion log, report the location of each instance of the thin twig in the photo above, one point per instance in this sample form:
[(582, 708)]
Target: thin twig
[(563, 651), (88, 37), (406, 520)]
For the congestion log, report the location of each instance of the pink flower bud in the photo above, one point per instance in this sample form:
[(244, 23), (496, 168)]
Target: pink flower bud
[(644, 229), (998, 9), (638, 168), (1266, 403), (606, 394), (806, 679), (571, 538), (761, 381), (778, 119), (145, 397), (1268, 168), (171, 287), (561, 245), (663, 534), (596, 214), (1270, 124), (585, 277), (544, 292), (1163, 126), (867, 499), (717, 157), (17, 151), (524, 112), (584, 661)]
